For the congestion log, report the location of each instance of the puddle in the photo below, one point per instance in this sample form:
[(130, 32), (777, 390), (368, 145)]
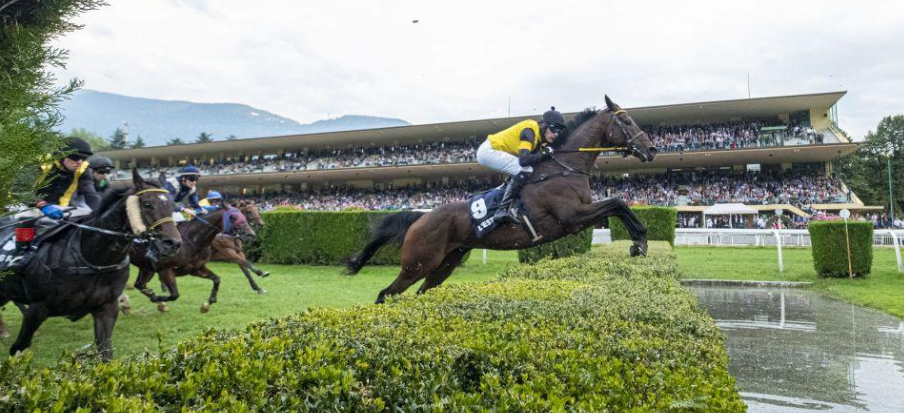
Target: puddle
[(797, 351)]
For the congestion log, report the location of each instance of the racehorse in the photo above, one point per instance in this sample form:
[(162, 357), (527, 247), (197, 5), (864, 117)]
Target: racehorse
[(81, 267), (192, 257), (229, 247), (557, 200)]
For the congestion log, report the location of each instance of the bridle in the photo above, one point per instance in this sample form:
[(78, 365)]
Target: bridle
[(629, 148)]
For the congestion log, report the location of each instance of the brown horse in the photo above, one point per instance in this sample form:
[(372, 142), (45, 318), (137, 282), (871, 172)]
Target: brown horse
[(229, 247), (191, 259), (558, 202)]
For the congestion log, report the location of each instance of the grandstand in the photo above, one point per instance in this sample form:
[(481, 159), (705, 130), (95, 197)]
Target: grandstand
[(768, 153)]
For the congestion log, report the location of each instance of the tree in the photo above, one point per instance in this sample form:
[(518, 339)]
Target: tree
[(866, 171), (119, 140), (231, 138), (175, 141), (97, 142), (204, 137), (139, 143), (29, 96)]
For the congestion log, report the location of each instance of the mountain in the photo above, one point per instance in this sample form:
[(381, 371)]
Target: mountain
[(158, 121)]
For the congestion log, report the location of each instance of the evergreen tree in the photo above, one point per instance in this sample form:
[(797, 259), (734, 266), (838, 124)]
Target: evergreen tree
[(97, 142), (29, 93), (204, 137), (139, 143), (231, 138), (175, 141), (119, 140)]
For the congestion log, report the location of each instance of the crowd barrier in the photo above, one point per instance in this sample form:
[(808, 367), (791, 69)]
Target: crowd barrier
[(751, 237)]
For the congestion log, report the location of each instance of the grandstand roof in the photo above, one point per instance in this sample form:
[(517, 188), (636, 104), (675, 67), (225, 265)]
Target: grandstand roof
[(651, 115)]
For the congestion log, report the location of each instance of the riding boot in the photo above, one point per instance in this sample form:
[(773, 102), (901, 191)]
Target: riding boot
[(504, 213), (25, 234)]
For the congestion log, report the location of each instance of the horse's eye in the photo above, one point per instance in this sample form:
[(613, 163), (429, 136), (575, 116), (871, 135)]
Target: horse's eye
[(147, 205)]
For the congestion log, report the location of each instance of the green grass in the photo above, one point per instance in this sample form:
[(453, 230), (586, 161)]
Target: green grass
[(883, 289), (291, 289)]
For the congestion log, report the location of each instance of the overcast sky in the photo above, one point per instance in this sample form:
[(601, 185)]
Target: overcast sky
[(309, 60)]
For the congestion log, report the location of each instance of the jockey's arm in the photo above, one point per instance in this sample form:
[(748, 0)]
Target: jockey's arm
[(87, 190), (526, 147)]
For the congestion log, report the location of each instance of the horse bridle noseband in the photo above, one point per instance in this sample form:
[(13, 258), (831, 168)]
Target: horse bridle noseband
[(125, 235)]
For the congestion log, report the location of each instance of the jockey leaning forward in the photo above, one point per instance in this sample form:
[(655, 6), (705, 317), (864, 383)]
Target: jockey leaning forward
[(515, 150), (213, 202), (58, 185), (184, 192), (101, 167)]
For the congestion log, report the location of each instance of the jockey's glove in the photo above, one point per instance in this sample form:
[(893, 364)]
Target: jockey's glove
[(52, 211), (547, 150)]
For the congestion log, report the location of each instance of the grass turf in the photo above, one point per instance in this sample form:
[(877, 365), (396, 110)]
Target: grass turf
[(883, 289), (291, 289)]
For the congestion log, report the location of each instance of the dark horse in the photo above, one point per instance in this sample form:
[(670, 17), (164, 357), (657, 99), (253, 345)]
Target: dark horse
[(228, 247), (558, 202), (191, 258), (82, 268)]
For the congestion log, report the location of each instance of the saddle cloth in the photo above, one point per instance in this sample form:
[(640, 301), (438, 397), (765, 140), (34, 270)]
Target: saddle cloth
[(483, 206)]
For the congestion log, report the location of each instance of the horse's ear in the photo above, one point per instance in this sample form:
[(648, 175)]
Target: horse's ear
[(162, 180), (611, 105), (137, 180)]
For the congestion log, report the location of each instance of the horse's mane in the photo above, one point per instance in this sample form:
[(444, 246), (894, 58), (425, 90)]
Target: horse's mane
[(582, 117), (116, 192)]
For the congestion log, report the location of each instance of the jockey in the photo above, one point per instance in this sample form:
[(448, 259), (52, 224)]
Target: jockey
[(184, 192), (515, 150), (101, 166), (213, 201), (58, 186)]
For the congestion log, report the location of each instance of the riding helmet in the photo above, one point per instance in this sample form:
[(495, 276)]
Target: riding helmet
[(77, 146), (553, 117), (100, 162), (214, 195), (189, 170)]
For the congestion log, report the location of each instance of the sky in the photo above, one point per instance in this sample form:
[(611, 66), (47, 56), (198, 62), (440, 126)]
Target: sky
[(464, 60)]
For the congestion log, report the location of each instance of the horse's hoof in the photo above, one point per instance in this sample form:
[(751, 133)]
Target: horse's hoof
[(265, 274), (262, 291), (205, 307), (638, 251), (162, 307)]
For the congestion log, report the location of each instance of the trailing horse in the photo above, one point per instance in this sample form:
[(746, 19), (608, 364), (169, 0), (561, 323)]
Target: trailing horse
[(557, 201), (192, 257), (81, 267), (230, 247)]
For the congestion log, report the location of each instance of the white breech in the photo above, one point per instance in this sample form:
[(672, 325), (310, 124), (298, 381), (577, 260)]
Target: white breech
[(500, 161)]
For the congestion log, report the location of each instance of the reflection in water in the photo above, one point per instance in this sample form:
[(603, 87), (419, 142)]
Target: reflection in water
[(796, 351)]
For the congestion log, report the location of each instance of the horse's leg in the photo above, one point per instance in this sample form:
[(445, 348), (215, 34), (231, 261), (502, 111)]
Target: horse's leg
[(593, 214), (104, 320), (124, 304), (418, 260), (238, 258), (144, 276), (261, 273), (168, 278), (4, 333), (205, 272), (34, 316), (438, 276), (254, 286)]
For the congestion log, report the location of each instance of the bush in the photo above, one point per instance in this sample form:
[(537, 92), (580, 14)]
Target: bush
[(564, 247), (599, 332), (321, 238), (829, 247), (660, 223)]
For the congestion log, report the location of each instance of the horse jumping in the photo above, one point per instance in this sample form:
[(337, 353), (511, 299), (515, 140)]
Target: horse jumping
[(82, 268), (557, 200)]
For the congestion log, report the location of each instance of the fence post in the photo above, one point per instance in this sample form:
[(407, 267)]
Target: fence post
[(894, 240), (484, 256), (778, 243)]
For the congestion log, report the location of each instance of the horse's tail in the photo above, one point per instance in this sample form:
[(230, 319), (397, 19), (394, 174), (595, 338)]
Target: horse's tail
[(393, 228)]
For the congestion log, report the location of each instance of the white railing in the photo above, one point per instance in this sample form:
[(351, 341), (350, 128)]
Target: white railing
[(750, 237)]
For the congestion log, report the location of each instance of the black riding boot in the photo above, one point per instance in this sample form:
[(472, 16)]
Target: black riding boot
[(504, 214), (25, 234)]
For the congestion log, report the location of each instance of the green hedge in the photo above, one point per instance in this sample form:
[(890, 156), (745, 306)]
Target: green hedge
[(829, 246), (565, 247), (660, 223), (598, 332), (321, 238)]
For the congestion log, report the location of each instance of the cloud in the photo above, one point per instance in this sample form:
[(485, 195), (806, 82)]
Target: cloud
[(464, 60)]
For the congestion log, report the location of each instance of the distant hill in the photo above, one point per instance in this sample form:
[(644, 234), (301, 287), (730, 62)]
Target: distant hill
[(158, 121)]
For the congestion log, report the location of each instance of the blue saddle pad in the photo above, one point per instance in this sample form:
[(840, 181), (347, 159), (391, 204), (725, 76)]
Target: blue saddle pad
[(483, 206)]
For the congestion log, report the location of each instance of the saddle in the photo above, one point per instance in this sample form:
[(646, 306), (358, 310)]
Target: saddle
[(483, 206)]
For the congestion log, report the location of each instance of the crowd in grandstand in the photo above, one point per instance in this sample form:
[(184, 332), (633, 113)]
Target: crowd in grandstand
[(667, 138)]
